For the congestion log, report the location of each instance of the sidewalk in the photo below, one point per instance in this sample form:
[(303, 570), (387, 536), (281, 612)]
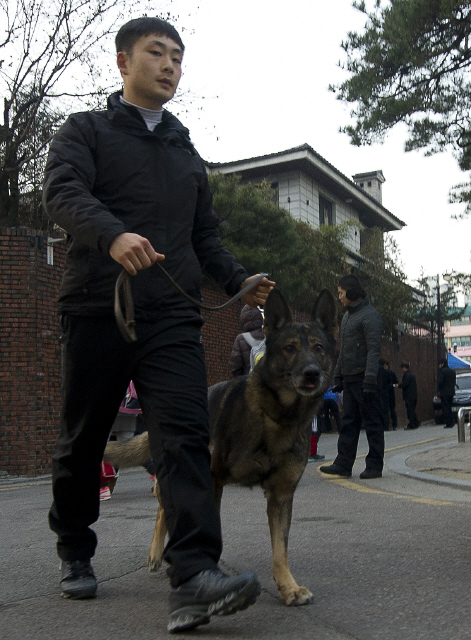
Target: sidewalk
[(442, 464)]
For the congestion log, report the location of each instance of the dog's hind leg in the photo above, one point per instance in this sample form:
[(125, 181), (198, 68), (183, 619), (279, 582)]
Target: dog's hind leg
[(279, 509), (157, 547)]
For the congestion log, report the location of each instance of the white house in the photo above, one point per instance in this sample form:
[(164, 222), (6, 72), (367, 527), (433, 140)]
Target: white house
[(313, 190)]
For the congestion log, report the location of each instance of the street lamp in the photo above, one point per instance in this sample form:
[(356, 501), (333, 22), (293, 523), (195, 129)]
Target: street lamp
[(439, 322)]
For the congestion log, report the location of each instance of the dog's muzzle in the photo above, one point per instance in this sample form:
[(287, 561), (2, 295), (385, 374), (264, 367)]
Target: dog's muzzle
[(308, 381)]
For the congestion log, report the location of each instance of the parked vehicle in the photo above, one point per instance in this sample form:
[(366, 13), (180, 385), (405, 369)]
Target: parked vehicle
[(462, 397)]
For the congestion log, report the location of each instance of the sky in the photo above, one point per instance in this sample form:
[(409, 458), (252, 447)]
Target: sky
[(260, 71)]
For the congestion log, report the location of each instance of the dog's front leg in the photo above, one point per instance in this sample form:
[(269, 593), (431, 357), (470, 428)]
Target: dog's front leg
[(157, 547), (279, 509)]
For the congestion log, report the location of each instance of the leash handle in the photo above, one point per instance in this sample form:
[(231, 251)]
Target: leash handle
[(127, 324)]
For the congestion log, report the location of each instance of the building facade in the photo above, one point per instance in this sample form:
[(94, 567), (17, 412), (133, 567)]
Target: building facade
[(457, 334), (314, 191)]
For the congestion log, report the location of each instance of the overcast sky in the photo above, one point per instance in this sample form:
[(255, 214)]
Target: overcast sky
[(263, 67)]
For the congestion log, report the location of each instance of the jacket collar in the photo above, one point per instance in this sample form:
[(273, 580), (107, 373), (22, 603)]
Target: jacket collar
[(170, 130), (363, 303)]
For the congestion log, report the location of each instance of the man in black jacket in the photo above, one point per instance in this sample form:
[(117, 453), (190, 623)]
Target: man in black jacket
[(409, 395), (446, 390), (356, 374), (130, 190), (390, 382)]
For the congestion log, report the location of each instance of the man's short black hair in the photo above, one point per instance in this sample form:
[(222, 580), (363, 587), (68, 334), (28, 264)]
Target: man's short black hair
[(443, 361), (130, 33), (405, 365), (351, 285)]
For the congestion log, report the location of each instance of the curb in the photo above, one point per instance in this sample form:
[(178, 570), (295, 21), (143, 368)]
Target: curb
[(24, 481), (398, 465)]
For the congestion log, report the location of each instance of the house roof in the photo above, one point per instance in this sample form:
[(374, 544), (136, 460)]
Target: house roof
[(304, 158)]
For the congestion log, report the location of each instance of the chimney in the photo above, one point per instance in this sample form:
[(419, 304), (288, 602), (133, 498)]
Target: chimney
[(371, 183)]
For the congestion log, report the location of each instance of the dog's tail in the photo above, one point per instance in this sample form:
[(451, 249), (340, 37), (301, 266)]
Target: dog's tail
[(132, 453)]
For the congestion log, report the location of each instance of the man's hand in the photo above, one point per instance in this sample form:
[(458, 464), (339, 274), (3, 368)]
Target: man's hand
[(134, 252), (259, 294)]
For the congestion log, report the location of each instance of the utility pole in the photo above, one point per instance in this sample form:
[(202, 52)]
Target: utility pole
[(439, 322)]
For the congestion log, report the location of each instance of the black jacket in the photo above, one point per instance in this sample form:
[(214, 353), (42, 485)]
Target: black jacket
[(446, 381), (107, 174), (409, 387), (390, 381), (360, 344)]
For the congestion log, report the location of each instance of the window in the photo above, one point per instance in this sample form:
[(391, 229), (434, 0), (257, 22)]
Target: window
[(276, 193), (325, 211), (463, 382)]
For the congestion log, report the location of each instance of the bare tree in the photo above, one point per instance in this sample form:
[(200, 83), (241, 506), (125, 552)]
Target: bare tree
[(50, 56)]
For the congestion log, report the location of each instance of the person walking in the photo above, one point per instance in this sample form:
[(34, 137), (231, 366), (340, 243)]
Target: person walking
[(446, 390), (409, 395), (251, 321), (129, 188), (356, 373)]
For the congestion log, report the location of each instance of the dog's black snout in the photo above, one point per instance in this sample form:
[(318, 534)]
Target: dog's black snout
[(311, 374)]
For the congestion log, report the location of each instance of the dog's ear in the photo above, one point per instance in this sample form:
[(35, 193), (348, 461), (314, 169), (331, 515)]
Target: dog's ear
[(325, 312), (276, 311)]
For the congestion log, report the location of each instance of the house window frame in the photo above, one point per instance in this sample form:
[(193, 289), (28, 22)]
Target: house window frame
[(325, 203)]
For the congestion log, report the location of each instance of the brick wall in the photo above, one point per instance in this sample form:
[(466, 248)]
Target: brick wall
[(421, 356), (29, 353), (30, 356)]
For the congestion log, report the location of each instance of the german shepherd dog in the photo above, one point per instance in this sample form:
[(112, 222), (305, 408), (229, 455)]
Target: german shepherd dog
[(261, 426)]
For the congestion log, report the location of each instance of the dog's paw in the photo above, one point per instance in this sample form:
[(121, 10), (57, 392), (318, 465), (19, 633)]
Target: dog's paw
[(153, 564), (297, 597)]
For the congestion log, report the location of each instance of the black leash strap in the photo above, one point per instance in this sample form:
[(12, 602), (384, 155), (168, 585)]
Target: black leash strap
[(127, 323)]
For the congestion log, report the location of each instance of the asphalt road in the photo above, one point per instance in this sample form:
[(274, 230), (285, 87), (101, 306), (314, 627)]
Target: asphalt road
[(387, 559)]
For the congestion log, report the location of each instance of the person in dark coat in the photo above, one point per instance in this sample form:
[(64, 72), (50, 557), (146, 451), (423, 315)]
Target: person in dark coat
[(129, 188), (409, 395), (392, 383), (356, 373), (388, 397), (446, 390), (251, 322)]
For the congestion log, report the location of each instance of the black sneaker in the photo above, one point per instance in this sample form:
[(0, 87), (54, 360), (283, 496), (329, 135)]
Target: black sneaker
[(78, 580), (369, 474), (210, 593), (335, 470)]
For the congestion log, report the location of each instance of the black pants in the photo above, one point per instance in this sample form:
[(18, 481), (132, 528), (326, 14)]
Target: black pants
[(447, 413), (168, 370), (392, 409), (358, 413), (388, 402), (331, 408), (412, 419)]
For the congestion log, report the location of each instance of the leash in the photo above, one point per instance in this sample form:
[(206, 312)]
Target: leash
[(127, 322)]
